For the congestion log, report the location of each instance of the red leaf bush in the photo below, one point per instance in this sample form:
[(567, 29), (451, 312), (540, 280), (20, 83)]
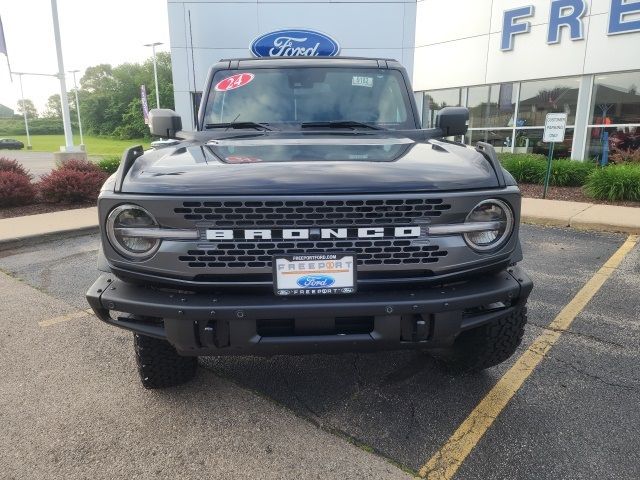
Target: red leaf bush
[(80, 166), (71, 185), (15, 189), (8, 165)]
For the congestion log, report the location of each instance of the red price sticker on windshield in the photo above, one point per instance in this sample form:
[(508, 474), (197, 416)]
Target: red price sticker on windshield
[(234, 81)]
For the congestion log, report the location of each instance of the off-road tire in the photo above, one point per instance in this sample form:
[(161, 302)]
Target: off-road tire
[(485, 346), (159, 365)]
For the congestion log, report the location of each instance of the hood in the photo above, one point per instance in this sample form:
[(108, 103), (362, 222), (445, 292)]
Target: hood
[(309, 165)]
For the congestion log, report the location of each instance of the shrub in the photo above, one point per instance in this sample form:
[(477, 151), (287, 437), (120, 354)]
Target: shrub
[(569, 173), (15, 189), (71, 185), (619, 155), (532, 168), (615, 182), (525, 168), (80, 166), (109, 164), (7, 165)]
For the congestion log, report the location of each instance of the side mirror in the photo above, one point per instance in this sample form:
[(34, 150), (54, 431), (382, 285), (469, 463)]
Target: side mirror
[(453, 121), (164, 122)]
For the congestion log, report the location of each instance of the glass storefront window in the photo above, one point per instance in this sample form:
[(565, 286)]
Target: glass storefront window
[(616, 99), (435, 101), (491, 105), (611, 139), (538, 98), (500, 139), (530, 141)]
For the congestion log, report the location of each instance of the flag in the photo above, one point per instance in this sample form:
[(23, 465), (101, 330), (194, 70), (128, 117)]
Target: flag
[(3, 46), (145, 104)]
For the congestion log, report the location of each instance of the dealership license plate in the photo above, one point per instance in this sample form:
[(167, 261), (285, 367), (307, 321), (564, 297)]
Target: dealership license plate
[(314, 274)]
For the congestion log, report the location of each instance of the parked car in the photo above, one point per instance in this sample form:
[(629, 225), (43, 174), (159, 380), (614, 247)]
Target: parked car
[(10, 144)]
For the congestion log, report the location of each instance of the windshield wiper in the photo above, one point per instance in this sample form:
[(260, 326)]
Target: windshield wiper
[(254, 125), (340, 124)]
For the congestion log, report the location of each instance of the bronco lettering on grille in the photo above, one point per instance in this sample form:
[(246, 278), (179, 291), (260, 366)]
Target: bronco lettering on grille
[(314, 233)]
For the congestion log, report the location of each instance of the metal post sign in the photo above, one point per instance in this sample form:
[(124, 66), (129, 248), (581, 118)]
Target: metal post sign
[(555, 125)]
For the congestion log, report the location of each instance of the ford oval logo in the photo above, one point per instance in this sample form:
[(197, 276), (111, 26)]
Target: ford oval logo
[(295, 43), (316, 281)]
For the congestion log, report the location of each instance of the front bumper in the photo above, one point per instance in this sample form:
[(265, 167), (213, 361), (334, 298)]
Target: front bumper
[(263, 324)]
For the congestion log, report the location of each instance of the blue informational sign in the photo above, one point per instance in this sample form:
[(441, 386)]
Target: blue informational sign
[(294, 43)]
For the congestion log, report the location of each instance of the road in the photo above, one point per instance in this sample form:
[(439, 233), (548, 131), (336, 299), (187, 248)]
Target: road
[(71, 405), (38, 163)]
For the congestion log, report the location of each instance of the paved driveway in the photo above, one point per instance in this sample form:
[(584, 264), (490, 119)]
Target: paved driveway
[(71, 405), (38, 163)]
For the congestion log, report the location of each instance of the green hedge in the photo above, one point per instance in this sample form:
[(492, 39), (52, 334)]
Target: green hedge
[(532, 168), (37, 126), (109, 163), (614, 182)]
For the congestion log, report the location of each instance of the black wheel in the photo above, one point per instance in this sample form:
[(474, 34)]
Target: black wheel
[(485, 346), (159, 365)]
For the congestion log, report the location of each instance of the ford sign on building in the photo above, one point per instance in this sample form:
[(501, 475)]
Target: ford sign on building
[(294, 43), (509, 61)]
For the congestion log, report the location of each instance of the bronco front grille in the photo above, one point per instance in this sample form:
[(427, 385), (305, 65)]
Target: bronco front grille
[(259, 254), (307, 213)]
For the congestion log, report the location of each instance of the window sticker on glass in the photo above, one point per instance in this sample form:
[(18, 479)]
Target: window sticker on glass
[(357, 81), (234, 81)]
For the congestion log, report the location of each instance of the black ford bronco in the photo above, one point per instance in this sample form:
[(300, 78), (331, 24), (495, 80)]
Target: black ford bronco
[(310, 213)]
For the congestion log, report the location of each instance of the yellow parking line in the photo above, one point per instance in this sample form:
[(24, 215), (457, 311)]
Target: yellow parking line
[(446, 461), (65, 318)]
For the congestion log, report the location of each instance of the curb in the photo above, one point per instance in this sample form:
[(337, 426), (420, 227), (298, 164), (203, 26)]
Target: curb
[(581, 216), (29, 240)]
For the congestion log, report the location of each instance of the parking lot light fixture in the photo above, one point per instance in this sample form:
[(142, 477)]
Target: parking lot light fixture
[(155, 70), (75, 88), (24, 112)]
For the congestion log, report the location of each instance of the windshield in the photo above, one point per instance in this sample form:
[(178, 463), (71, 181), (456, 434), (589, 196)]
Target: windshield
[(296, 96)]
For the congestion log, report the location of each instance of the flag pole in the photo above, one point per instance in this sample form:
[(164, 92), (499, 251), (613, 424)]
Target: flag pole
[(66, 114)]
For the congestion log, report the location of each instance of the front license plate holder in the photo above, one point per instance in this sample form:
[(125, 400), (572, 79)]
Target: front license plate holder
[(315, 274)]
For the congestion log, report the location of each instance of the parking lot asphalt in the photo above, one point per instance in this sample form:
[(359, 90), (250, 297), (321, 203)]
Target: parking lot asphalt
[(38, 163), (70, 395)]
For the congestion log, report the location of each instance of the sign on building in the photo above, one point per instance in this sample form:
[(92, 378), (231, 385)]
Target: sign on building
[(295, 43)]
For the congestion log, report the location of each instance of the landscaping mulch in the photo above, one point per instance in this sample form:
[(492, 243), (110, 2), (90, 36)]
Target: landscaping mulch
[(36, 208), (569, 194)]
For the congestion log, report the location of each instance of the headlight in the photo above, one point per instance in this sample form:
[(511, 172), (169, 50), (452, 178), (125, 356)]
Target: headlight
[(499, 215), (121, 225)]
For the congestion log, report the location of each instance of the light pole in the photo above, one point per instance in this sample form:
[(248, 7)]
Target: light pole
[(75, 88), (24, 111), (155, 69)]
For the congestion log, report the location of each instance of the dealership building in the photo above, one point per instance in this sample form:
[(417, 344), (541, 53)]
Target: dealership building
[(509, 61)]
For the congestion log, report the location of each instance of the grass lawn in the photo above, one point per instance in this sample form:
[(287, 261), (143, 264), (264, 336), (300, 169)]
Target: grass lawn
[(93, 145)]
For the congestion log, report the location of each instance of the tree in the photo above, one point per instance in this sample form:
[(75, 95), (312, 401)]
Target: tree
[(53, 108), (110, 96), (27, 106)]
